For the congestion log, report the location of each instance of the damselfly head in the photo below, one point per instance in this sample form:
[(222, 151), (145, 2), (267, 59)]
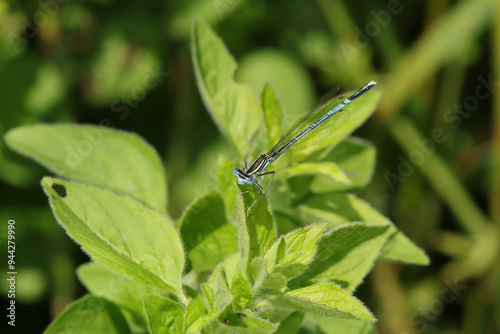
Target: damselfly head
[(242, 178)]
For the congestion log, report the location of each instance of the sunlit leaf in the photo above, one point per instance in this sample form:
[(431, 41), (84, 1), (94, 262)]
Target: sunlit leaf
[(208, 237), (356, 159), (232, 106), (125, 293), (257, 230), (329, 170), (120, 233), (90, 314), (291, 253), (329, 325), (272, 115), (339, 209), (325, 299), (345, 255), (164, 315), (100, 156)]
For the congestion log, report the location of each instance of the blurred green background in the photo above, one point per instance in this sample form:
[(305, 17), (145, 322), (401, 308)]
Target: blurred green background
[(127, 64)]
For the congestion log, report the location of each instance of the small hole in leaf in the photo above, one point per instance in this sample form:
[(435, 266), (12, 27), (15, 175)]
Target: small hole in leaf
[(60, 190)]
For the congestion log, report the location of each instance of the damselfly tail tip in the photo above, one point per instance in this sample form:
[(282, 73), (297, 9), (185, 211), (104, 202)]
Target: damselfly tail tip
[(362, 90)]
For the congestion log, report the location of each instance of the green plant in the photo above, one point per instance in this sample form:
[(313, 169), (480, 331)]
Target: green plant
[(217, 270)]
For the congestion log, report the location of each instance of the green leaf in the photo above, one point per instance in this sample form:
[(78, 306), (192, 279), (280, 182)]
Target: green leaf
[(240, 288), (257, 231), (194, 313), (258, 270), (247, 322), (89, 314), (119, 161), (242, 322), (209, 294), (164, 315), (356, 159), (328, 169), (232, 106), (291, 323), (193, 294), (340, 209), (230, 267), (275, 282), (400, 248), (120, 233), (327, 325), (345, 255), (102, 282), (272, 115), (291, 253), (221, 291), (200, 323), (208, 237), (263, 280), (325, 299)]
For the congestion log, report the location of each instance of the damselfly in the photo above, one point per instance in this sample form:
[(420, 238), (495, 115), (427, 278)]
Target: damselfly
[(323, 118)]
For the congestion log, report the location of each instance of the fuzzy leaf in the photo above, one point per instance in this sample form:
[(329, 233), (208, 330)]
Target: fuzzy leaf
[(328, 325), (227, 185), (355, 158), (89, 314), (291, 253), (327, 169), (291, 323), (102, 282), (207, 235), (248, 321), (195, 317), (339, 209), (345, 255), (257, 231), (244, 323), (164, 315), (272, 115), (240, 288), (209, 294), (232, 106), (96, 155), (221, 291), (325, 299)]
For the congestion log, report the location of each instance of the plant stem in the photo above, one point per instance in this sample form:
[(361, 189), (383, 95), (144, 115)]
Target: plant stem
[(495, 125), (440, 176), (447, 38)]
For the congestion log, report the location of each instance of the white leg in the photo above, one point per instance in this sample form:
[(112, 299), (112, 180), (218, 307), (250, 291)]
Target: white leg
[(260, 193)]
